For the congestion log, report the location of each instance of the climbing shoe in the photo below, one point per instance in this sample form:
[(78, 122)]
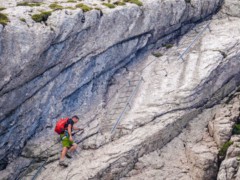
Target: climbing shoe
[(69, 156), (62, 163)]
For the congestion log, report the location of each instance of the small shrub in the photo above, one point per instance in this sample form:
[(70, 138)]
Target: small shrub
[(168, 46), (22, 19), (71, 1), (2, 8), (42, 17), (157, 54), (55, 6), (236, 129), (28, 4), (137, 2), (222, 152), (111, 6), (3, 19), (119, 3), (84, 7)]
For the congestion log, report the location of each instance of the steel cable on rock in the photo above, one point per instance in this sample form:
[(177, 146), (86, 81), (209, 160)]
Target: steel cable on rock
[(197, 37)]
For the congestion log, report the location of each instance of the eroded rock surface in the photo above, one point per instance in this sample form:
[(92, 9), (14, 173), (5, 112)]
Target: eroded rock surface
[(191, 155), (194, 154), (83, 63), (175, 94)]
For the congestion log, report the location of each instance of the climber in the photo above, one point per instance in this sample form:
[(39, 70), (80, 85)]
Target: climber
[(64, 127)]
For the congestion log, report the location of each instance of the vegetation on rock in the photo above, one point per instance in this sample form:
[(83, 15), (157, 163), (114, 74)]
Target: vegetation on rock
[(22, 19), (99, 9), (69, 7), (55, 6), (120, 3), (84, 7), (157, 54), (28, 4), (42, 17), (224, 148), (3, 19), (111, 6), (137, 2), (168, 46), (236, 129), (2, 8), (71, 1)]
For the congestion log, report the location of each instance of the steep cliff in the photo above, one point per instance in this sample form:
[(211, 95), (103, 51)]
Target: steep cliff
[(73, 62)]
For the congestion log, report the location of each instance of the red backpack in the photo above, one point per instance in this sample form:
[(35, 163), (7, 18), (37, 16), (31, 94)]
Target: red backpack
[(59, 128)]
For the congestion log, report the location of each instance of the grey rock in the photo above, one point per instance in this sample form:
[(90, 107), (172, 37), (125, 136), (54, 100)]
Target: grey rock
[(155, 121), (15, 168), (228, 169), (232, 8), (64, 67)]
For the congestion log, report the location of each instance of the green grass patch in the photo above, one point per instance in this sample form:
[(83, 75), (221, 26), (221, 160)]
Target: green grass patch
[(111, 6), (69, 7), (84, 7), (2, 8), (42, 17), (119, 3), (71, 1), (22, 19), (137, 2), (157, 54), (29, 4), (222, 152), (55, 6), (168, 46), (3, 19), (236, 129)]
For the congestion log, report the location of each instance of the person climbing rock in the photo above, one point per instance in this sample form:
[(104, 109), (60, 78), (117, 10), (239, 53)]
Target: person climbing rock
[(64, 127)]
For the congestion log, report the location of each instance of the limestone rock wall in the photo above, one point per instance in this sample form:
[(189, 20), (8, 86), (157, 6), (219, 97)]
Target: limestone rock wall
[(63, 66), (194, 154), (75, 61), (173, 94)]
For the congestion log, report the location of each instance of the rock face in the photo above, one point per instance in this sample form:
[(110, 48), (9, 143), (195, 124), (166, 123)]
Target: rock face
[(220, 128), (191, 155), (230, 166), (91, 63), (194, 154)]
